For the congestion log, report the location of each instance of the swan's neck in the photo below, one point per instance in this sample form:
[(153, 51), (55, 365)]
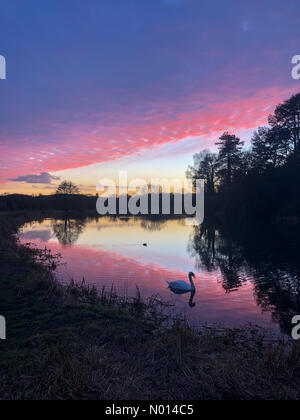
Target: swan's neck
[(192, 282)]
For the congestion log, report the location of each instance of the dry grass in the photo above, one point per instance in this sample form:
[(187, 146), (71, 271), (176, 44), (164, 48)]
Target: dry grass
[(72, 343)]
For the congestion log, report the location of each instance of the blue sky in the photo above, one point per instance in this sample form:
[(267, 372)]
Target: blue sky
[(97, 84)]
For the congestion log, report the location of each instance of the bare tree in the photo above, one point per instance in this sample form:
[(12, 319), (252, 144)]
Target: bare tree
[(204, 167), (67, 188)]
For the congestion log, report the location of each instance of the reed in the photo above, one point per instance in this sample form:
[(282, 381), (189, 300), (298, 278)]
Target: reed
[(76, 342)]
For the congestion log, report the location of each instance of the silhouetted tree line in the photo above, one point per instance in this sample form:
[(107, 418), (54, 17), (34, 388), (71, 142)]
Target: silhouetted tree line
[(78, 203), (68, 199), (262, 181), (60, 202)]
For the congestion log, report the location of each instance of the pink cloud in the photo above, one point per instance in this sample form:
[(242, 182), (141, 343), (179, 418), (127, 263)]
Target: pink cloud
[(53, 145)]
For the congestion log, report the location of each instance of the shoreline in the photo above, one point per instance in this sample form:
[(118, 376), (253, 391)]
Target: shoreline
[(70, 343)]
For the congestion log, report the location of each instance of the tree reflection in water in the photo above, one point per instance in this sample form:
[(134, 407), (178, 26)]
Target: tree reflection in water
[(213, 251), (264, 256), (68, 230), (153, 224)]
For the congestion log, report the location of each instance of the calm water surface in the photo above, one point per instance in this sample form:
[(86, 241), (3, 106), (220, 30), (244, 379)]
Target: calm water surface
[(232, 287)]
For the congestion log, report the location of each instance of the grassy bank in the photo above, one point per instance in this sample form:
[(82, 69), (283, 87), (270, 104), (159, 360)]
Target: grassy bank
[(70, 343)]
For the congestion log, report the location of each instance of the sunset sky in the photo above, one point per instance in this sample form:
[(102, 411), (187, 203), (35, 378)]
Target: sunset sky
[(97, 86)]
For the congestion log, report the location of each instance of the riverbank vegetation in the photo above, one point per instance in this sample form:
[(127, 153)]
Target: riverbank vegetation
[(74, 343)]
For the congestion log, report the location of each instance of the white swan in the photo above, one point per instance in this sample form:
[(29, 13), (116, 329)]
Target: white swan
[(180, 286)]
